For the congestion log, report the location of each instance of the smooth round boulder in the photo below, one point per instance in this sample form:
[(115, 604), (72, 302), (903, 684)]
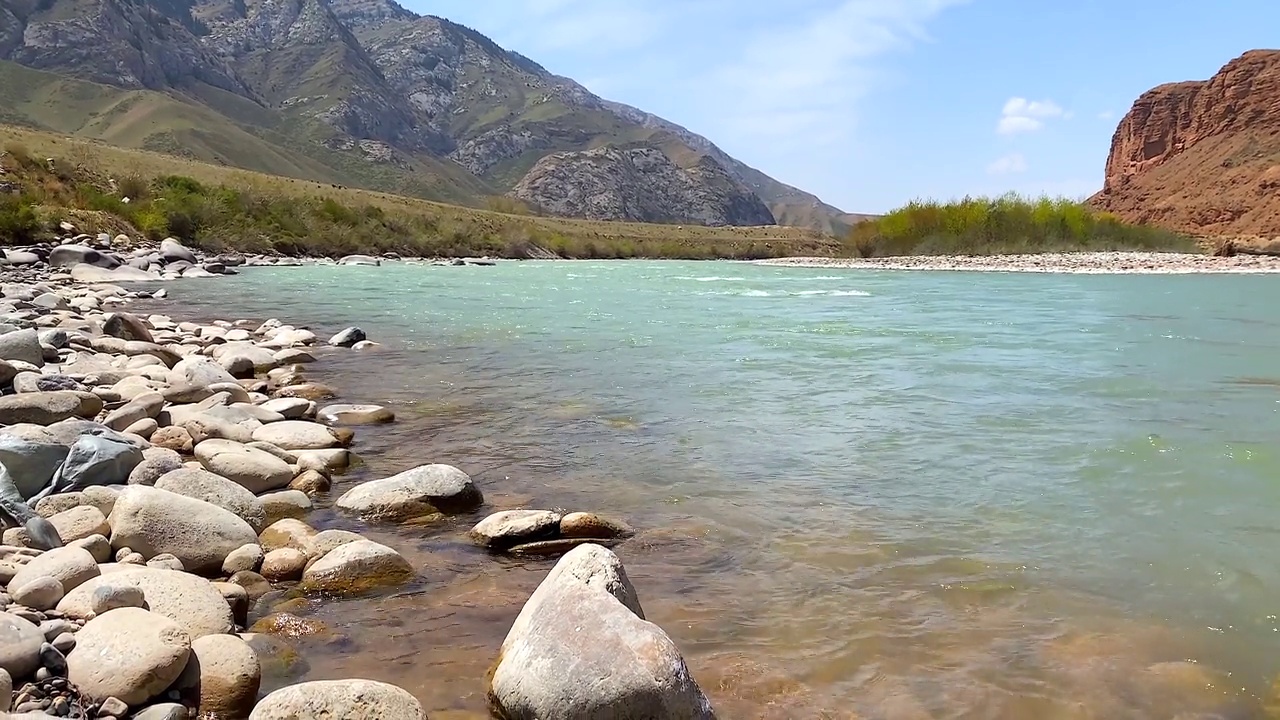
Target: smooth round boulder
[(289, 408), (106, 598), (284, 565), (426, 490), (591, 525), (174, 437), (355, 415), (129, 654), (355, 568), (286, 504), (326, 540), (297, 435), (200, 534), (70, 566), (190, 601), (346, 699), (348, 337), (42, 593), (20, 643), (287, 533), (79, 523), (247, 557), (257, 470), (509, 528), (222, 677), (311, 482), (215, 489), (199, 370)]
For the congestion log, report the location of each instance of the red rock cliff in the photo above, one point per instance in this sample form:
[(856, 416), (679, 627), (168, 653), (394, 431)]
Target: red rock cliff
[(1202, 157)]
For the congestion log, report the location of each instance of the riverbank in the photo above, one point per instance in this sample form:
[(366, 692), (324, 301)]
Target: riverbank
[(1097, 263), (160, 477)]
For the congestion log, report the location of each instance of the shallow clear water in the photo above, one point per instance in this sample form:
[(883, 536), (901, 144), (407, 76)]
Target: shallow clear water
[(861, 494)]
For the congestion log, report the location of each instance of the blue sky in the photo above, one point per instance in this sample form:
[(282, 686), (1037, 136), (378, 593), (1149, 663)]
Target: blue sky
[(870, 103)]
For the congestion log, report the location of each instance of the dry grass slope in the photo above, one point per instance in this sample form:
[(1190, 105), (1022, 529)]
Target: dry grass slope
[(240, 209)]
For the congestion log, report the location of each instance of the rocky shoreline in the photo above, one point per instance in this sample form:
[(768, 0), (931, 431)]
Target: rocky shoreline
[(1088, 263), (155, 479)]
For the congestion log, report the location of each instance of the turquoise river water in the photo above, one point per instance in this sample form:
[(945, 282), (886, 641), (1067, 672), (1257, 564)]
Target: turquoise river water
[(892, 495)]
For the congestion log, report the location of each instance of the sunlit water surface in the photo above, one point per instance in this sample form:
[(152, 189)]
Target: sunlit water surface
[(859, 494)]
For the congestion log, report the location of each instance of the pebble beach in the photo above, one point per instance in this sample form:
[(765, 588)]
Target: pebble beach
[(156, 477), (1083, 263)]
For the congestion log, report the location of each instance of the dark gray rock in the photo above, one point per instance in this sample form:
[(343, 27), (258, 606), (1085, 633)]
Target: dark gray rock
[(30, 464), (126, 327), (348, 337), (72, 255), (95, 460)]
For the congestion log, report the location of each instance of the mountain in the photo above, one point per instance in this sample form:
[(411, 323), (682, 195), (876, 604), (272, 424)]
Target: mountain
[(640, 183), (1202, 157), (365, 93)]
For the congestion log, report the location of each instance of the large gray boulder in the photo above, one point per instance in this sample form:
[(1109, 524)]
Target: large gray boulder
[(191, 601), (215, 489), (154, 522), (346, 699), (96, 460), (31, 463), (129, 654), (173, 251), (426, 490), (582, 650), (23, 345), (72, 255)]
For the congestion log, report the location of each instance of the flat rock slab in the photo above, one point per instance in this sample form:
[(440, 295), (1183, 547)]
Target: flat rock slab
[(355, 415)]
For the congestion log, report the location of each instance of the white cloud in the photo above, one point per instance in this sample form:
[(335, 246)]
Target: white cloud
[(799, 85), (1021, 115), (1009, 164), (1106, 115), (1014, 124)]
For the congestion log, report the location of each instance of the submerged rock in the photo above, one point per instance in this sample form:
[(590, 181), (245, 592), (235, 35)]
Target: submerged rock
[(348, 337), (503, 530), (357, 567)]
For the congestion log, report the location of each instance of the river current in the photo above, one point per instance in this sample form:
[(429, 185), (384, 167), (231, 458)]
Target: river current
[(867, 494)]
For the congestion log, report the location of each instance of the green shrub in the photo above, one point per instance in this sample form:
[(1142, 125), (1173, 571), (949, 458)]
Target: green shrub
[(18, 220), (152, 223), (1003, 225)]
